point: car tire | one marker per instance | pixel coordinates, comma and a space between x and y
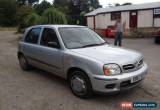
23, 63
157, 40
80, 84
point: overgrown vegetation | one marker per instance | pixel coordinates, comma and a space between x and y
53, 16
7, 12
32, 19
21, 15
24, 13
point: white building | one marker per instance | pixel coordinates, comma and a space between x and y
136, 16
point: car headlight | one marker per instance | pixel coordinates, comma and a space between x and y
111, 69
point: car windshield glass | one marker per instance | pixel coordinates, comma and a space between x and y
80, 37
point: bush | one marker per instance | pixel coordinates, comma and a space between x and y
7, 12
53, 16
32, 19
50, 16
22, 13
40, 8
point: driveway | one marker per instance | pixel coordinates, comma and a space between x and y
39, 90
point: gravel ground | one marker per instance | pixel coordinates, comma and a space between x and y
39, 90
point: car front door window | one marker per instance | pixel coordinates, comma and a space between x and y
50, 54
49, 38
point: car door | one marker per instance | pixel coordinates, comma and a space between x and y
30, 45
50, 52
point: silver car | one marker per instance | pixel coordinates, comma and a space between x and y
82, 57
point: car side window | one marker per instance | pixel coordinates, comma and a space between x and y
49, 38
33, 35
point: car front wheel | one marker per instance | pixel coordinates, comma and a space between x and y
80, 84
23, 63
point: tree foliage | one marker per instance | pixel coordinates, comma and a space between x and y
53, 16
49, 16
7, 12
117, 4
127, 3
23, 2
77, 5
73, 8
32, 19
40, 8
22, 13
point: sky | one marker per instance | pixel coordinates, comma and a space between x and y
105, 3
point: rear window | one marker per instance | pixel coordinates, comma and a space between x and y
33, 35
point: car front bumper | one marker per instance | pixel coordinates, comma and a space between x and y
109, 84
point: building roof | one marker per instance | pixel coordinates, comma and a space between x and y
125, 8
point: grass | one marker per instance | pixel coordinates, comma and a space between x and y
8, 28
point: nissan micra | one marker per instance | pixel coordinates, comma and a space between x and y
82, 57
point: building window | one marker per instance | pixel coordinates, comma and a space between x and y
157, 13
115, 15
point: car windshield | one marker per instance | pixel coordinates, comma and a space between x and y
79, 37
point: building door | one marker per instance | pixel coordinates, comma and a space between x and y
133, 19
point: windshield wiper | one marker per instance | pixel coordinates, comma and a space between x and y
104, 43
90, 45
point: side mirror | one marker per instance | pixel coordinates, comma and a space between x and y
53, 44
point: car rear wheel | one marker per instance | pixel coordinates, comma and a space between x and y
23, 63
80, 84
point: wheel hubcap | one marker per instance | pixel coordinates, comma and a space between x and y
22, 61
78, 85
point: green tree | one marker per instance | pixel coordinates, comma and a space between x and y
53, 16
62, 5
23, 2
7, 12
40, 8
32, 19
78, 6
95, 4
82, 19
117, 4
22, 13
127, 3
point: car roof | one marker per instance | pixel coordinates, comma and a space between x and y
56, 26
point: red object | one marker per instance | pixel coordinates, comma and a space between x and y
94, 22
101, 32
110, 31
126, 105
156, 33
133, 19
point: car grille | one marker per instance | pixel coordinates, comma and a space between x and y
133, 67
128, 67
